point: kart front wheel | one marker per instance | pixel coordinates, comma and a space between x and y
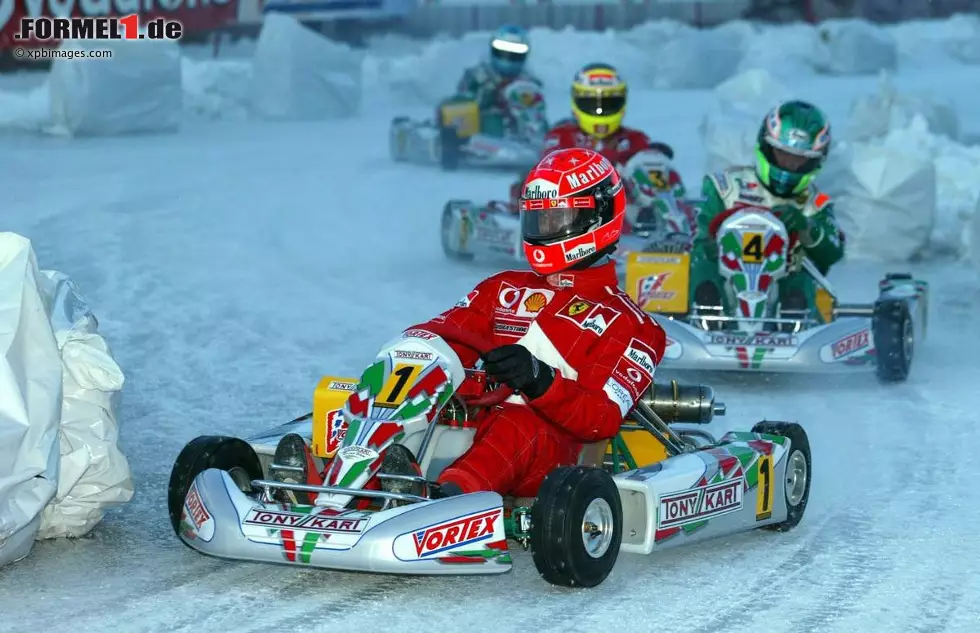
230, 454
798, 473
576, 526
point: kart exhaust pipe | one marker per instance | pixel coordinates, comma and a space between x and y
693, 404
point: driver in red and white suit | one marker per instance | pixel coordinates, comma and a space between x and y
598, 108
576, 348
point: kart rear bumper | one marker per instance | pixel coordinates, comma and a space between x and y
844, 345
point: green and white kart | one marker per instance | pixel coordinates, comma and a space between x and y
462, 136
651, 487
758, 334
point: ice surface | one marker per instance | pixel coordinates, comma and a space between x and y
232, 265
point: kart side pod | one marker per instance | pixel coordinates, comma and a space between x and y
692, 404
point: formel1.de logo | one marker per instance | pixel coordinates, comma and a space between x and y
126, 27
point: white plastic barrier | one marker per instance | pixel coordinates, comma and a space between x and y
300, 75
216, 88
856, 47
885, 200
94, 473
731, 125
697, 60
137, 90
30, 395
59, 385
874, 115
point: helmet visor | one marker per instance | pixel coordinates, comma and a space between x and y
513, 52
598, 104
792, 160
554, 219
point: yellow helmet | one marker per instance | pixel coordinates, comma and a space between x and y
598, 100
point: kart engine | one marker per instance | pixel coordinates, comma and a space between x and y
674, 402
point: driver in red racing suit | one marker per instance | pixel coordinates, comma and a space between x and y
576, 349
598, 108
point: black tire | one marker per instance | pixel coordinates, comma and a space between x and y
799, 443
557, 523
894, 338
450, 147
447, 216
209, 451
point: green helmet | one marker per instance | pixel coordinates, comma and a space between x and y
793, 144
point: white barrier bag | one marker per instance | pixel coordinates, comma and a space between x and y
886, 202
731, 126
93, 472
299, 75
59, 390
30, 400
874, 115
137, 91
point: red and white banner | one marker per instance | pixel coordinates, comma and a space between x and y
195, 15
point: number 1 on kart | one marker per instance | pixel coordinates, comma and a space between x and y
394, 391
765, 489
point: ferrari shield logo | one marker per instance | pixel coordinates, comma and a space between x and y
578, 308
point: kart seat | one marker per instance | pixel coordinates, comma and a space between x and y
593, 454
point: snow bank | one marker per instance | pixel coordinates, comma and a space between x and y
138, 90
730, 126
59, 464
856, 47
931, 41
300, 75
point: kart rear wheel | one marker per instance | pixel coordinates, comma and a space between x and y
576, 526
397, 138
230, 454
450, 148
894, 338
796, 484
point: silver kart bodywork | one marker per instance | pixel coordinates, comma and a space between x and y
421, 143
703, 489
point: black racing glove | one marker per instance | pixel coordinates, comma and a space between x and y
516, 367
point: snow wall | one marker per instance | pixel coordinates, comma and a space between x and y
60, 466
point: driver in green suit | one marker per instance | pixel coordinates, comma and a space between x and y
793, 143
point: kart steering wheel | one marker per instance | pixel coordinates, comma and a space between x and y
456, 334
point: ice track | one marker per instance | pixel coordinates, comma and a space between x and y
231, 266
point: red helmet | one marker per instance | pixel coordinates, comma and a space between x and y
572, 207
